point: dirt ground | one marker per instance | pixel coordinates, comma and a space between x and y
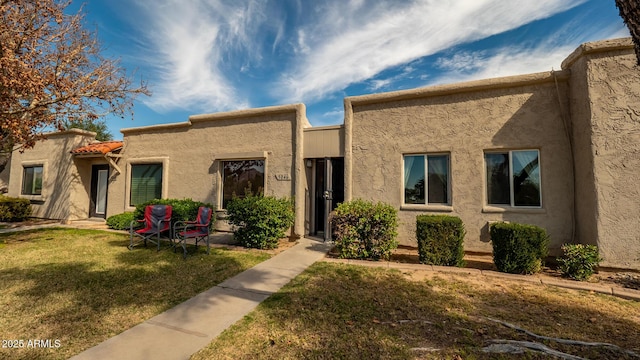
614, 278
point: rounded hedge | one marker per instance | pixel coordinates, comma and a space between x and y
261, 221
518, 248
365, 230
120, 221
440, 240
14, 209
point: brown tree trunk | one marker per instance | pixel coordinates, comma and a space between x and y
630, 13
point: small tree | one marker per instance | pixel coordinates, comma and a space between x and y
97, 126
52, 72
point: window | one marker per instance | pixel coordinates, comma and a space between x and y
434, 168
146, 183
32, 180
513, 178
240, 175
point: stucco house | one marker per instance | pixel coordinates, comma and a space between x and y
559, 149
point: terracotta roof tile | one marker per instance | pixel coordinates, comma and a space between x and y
98, 148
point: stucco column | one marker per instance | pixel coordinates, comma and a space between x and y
348, 150
298, 178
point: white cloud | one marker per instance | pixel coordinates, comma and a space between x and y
353, 41
505, 62
192, 44
201, 49
378, 84
463, 61
332, 117
302, 47
546, 55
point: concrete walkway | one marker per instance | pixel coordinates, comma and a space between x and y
183, 330
28, 227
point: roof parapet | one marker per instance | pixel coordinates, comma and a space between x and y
469, 86
597, 47
300, 108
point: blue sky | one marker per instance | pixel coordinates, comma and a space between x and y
206, 56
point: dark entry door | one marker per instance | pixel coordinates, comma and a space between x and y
329, 192
99, 185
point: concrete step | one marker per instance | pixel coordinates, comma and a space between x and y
95, 224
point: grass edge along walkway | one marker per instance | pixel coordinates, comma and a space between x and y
181, 331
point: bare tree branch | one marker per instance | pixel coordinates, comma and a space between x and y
565, 341
52, 73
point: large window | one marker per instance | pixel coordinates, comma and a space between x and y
513, 178
433, 168
32, 180
239, 176
146, 183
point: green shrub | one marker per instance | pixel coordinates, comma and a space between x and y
182, 209
440, 240
364, 230
578, 261
120, 221
261, 221
518, 248
14, 209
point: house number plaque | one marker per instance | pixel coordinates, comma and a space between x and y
283, 177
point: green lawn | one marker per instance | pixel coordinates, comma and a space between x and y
337, 311
83, 286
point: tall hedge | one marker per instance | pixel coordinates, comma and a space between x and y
518, 248
440, 240
365, 230
261, 221
14, 209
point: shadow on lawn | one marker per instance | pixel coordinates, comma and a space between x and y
87, 301
341, 311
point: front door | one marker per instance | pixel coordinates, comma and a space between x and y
328, 192
99, 185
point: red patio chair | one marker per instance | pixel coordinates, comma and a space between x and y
157, 220
197, 230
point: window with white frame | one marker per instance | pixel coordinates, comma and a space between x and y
146, 183
427, 179
32, 180
513, 178
241, 176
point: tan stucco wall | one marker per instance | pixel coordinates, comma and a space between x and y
192, 153
586, 199
464, 120
63, 184
605, 98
